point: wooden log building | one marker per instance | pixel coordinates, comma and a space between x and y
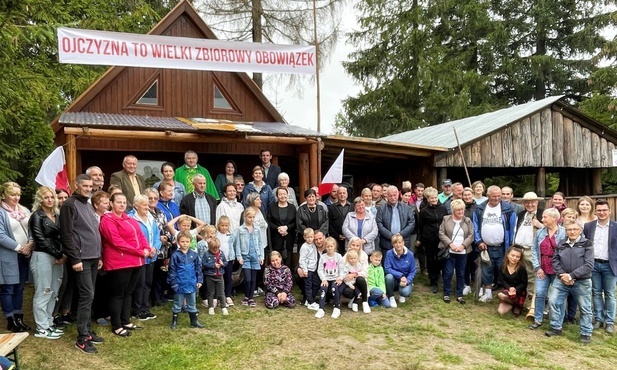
545, 136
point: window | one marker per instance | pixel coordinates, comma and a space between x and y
150, 97
219, 100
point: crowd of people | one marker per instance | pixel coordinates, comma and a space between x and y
112, 255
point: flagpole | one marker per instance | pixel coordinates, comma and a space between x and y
317, 65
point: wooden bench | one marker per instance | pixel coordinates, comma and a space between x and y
9, 344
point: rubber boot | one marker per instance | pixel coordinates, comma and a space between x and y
194, 322
12, 326
174, 320
19, 320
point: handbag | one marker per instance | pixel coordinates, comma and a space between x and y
444, 253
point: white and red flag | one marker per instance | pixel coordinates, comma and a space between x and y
333, 176
53, 171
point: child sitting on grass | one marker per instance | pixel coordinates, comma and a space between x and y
278, 283
329, 270
248, 249
377, 282
513, 282
185, 278
214, 263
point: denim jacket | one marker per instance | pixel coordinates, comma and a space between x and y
560, 237
239, 243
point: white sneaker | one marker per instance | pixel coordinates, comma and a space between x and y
466, 290
336, 313
47, 334
215, 302
401, 299
366, 308
306, 303
350, 303
313, 306
320, 313
204, 303
354, 307
481, 292
225, 312
229, 302
393, 302
485, 298
211, 311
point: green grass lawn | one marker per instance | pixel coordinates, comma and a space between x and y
423, 333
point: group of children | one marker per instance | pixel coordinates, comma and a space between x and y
325, 274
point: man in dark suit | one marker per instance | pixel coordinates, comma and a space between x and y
394, 217
199, 204
271, 172
337, 212
129, 180
603, 233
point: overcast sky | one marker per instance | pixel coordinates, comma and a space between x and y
336, 85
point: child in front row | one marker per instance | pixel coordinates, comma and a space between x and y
223, 235
330, 272
248, 249
308, 261
208, 232
185, 278
352, 266
214, 263
376, 281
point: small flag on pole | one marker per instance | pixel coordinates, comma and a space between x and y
53, 171
333, 176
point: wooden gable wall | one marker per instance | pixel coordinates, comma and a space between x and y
182, 93
546, 139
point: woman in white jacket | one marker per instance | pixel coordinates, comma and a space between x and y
361, 224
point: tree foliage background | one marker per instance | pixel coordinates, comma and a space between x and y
34, 87
424, 62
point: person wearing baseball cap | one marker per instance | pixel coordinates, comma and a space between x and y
446, 186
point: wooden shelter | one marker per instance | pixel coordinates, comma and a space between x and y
159, 114
535, 138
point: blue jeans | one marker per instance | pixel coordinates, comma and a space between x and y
603, 281
179, 301
458, 262
375, 298
542, 286
393, 284
12, 295
490, 274
582, 293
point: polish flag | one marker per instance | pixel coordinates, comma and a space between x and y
53, 171
333, 176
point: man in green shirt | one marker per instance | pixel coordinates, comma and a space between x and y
187, 172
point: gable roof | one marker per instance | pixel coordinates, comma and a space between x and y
471, 128
184, 8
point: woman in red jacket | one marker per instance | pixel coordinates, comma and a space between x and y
124, 250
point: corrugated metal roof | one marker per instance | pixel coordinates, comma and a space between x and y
471, 128
180, 124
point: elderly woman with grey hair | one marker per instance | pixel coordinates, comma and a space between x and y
362, 224
455, 236
545, 244
283, 181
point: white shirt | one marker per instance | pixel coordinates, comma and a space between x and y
524, 234
492, 227
458, 236
600, 241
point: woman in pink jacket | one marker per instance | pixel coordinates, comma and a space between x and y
124, 249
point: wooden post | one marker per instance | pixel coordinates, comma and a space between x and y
541, 181
71, 158
303, 173
313, 166
443, 174
596, 181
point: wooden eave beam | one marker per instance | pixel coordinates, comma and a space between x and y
86, 132
381, 149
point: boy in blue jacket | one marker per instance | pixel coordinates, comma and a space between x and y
400, 270
185, 277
